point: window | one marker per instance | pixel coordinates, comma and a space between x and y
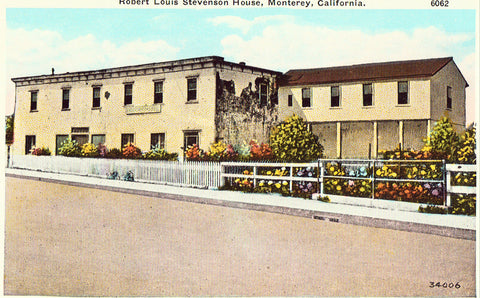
157, 140
128, 94
127, 138
290, 100
33, 100
58, 143
80, 139
262, 96
335, 96
306, 103
192, 89
367, 95
402, 93
29, 144
449, 97
158, 96
96, 97
191, 138
65, 99
98, 139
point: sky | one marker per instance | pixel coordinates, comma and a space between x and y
38, 39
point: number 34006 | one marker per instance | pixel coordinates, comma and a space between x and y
445, 285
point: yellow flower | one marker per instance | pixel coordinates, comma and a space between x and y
362, 189
339, 187
269, 173
285, 183
278, 185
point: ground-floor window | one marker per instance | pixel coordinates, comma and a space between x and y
80, 139
30, 142
157, 140
98, 139
127, 138
59, 141
191, 138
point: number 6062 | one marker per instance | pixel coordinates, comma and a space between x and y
441, 3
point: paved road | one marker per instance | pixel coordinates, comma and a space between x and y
64, 240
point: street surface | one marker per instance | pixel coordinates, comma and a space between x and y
75, 241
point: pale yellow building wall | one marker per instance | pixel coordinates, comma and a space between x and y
385, 102
449, 76
111, 119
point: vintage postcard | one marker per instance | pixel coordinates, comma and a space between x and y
240, 148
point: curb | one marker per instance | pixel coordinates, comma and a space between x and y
206, 197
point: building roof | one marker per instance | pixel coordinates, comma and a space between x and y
365, 72
143, 69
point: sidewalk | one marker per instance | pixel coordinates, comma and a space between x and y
456, 226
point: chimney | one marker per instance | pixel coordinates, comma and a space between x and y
53, 71
242, 63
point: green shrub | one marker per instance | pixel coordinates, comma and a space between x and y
90, 150
114, 153
432, 209
158, 153
464, 204
465, 150
70, 148
41, 151
442, 138
292, 141
131, 151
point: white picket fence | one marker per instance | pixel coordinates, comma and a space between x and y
193, 174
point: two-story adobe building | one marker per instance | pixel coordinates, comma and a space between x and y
355, 110
169, 104
359, 110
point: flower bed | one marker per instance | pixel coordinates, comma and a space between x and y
273, 179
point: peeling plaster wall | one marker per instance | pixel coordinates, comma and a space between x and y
356, 137
413, 134
327, 136
240, 116
388, 135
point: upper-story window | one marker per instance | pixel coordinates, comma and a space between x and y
96, 97
158, 96
335, 96
191, 89
367, 95
449, 97
402, 93
262, 96
306, 102
33, 100
65, 99
128, 94
290, 100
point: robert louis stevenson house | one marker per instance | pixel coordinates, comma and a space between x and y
353, 109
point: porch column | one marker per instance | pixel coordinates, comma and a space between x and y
400, 133
375, 140
339, 139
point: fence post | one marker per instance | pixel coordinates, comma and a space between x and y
291, 178
254, 176
373, 179
447, 175
320, 176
